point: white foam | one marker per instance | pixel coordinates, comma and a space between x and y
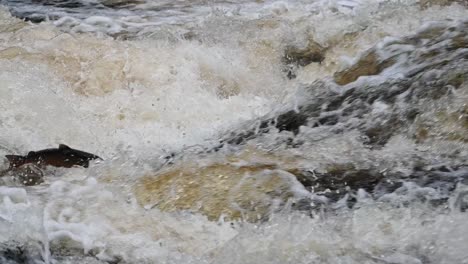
12, 199
133, 101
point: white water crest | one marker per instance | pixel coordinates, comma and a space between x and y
137, 81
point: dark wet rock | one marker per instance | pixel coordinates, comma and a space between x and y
440, 177
313, 52
48, 9
67, 251
13, 255
302, 56
429, 3
457, 79
61, 3
448, 124
31, 17
461, 202
121, 3
13, 252
288, 121
387, 185
369, 64
344, 180
381, 132
339, 180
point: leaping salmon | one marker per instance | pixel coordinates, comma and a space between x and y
63, 156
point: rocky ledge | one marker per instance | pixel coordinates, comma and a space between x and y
411, 90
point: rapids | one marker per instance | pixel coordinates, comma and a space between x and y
326, 131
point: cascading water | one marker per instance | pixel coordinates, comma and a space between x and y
236, 132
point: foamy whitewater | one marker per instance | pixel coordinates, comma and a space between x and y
153, 86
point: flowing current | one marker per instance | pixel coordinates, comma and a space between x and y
320, 131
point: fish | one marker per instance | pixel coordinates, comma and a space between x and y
63, 156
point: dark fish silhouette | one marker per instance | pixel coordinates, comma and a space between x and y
63, 156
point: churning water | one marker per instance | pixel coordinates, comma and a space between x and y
326, 131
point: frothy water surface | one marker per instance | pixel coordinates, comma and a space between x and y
369, 166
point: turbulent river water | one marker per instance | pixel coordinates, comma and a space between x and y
319, 131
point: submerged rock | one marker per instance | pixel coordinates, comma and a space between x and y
289, 121
229, 190
13, 252
302, 56
314, 52
429, 3
369, 64
121, 3
253, 184
338, 180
